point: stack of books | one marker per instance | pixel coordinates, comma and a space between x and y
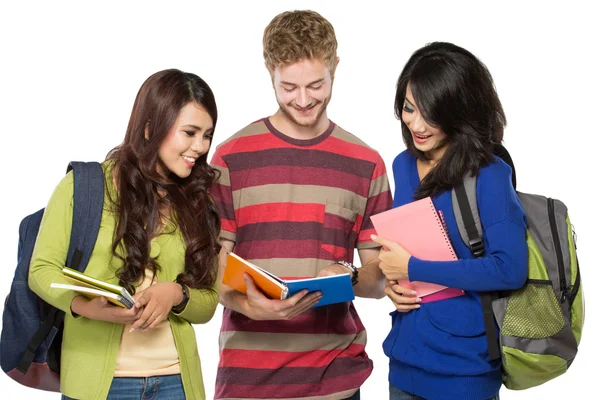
92, 287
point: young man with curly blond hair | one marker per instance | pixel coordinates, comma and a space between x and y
295, 195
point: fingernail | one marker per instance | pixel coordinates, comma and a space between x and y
414, 293
132, 330
419, 300
373, 237
418, 306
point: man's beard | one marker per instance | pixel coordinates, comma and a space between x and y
306, 123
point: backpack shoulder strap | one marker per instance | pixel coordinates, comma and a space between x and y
88, 201
464, 205
504, 155
28, 230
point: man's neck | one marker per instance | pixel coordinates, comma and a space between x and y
284, 125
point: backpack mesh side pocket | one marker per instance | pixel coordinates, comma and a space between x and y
533, 312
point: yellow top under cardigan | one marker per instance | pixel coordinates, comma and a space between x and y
150, 353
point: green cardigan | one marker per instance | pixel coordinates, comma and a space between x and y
89, 347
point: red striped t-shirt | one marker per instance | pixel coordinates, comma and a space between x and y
293, 207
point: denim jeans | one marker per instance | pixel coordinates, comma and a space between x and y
355, 396
398, 394
167, 387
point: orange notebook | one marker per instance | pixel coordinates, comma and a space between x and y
233, 276
418, 228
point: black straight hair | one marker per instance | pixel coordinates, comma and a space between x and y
454, 92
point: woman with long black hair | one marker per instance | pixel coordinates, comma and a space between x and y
452, 122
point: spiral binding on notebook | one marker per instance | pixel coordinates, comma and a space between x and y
444, 228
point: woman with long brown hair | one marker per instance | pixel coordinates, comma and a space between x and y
158, 238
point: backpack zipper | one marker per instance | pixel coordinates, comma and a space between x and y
575, 288
559, 256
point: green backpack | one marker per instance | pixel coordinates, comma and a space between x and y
541, 323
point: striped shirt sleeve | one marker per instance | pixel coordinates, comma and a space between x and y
380, 200
222, 194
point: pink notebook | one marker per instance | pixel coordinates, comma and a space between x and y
418, 228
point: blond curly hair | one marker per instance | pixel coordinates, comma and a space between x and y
295, 35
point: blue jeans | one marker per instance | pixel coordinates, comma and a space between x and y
399, 394
355, 396
167, 387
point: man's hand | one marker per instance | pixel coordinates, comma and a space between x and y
157, 302
260, 307
404, 299
101, 309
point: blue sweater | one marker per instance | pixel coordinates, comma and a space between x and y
440, 351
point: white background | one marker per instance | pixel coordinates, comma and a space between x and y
69, 73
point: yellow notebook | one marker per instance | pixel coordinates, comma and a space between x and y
92, 287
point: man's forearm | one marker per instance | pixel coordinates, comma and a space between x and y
371, 281
233, 300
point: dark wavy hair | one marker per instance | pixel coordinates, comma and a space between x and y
145, 198
454, 92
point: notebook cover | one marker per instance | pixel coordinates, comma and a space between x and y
335, 288
233, 276
80, 279
97, 283
417, 227
443, 294
91, 292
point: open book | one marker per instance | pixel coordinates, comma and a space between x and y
335, 288
92, 287
420, 229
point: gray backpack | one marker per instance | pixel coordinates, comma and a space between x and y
541, 323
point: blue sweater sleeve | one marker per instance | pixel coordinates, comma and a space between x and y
504, 265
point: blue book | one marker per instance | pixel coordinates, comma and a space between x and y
335, 288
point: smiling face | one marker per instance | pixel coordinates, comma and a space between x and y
187, 140
426, 138
303, 90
